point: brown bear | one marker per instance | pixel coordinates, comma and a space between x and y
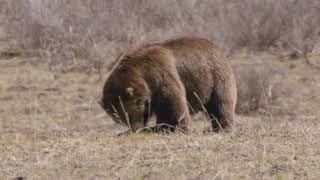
171, 80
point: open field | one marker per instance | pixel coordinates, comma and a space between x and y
51, 126
53, 54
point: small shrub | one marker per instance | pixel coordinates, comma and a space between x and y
255, 87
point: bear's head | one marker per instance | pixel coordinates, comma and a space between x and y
126, 98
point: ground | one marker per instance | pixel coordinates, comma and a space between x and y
52, 127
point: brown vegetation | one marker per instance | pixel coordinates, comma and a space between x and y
83, 32
52, 127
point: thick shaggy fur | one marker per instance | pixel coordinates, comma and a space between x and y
172, 80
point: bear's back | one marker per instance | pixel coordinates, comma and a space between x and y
199, 64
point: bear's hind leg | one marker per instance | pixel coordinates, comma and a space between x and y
226, 114
221, 114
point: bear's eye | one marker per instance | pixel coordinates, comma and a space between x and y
138, 101
139, 104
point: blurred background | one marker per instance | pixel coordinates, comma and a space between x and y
92, 31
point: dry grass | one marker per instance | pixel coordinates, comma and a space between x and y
51, 126
83, 33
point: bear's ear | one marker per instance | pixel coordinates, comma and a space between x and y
130, 91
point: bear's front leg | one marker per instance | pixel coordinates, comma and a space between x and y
172, 112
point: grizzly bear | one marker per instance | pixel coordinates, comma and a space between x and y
172, 80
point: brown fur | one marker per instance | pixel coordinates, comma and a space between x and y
171, 79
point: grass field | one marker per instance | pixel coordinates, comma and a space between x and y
52, 128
